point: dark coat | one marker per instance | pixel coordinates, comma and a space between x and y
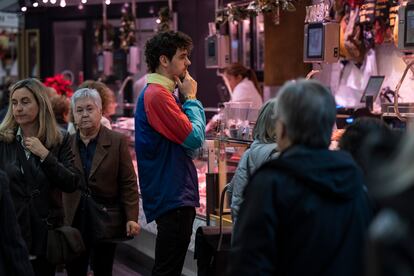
52, 176
14, 257
112, 175
305, 213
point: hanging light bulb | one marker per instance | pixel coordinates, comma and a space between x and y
108, 2
23, 9
80, 6
53, 2
35, 4
45, 1
62, 3
84, 1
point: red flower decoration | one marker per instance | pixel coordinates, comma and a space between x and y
60, 84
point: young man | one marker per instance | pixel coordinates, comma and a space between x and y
306, 212
166, 134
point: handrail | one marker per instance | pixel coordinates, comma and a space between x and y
312, 73
397, 89
124, 83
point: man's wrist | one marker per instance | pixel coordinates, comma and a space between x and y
190, 97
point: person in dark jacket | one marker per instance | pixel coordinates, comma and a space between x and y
390, 246
14, 257
305, 213
106, 167
38, 160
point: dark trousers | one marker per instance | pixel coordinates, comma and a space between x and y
101, 256
43, 267
174, 233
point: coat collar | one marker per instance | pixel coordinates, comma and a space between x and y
104, 141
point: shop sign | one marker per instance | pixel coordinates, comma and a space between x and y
9, 20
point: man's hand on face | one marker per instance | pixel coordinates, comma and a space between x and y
188, 87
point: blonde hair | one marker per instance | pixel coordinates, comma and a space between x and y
48, 131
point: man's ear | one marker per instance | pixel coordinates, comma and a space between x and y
164, 61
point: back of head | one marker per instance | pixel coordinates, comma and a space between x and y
361, 137
165, 43
238, 69
308, 111
264, 130
396, 174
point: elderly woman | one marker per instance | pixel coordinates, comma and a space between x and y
262, 149
103, 158
38, 160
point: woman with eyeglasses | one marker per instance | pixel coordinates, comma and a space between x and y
37, 157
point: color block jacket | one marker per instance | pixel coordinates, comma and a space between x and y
165, 133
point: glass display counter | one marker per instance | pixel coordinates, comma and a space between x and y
215, 162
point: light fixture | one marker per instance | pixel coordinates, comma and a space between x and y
84, 1
80, 6
53, 2
108, 2
158, 21
62, 3
45, 1
23, 9
35, 4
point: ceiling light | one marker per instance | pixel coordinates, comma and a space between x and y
108, 2
53, 1
35, 4
45, 1
23, 9
84, 1
62, 3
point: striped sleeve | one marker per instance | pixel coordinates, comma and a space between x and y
166, 117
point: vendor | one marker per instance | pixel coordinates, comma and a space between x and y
243, 85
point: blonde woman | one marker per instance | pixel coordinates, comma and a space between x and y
38, 160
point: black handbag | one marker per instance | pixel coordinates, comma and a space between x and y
64, 244
212, 246
102, 222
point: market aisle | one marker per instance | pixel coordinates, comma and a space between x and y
124, 264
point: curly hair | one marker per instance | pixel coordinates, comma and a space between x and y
165, 43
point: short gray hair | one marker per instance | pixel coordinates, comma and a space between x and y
265, 127
308, 110
86, 93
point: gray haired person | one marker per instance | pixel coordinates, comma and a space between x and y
261, 150
305, 212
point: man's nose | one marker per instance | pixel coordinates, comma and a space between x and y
188, 62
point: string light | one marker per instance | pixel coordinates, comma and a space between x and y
45, 1
108, 2
53, 1
62, 3
84, 1
23, 9
35, 4
80, 6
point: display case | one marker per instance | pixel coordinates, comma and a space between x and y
215, 163
223, 156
